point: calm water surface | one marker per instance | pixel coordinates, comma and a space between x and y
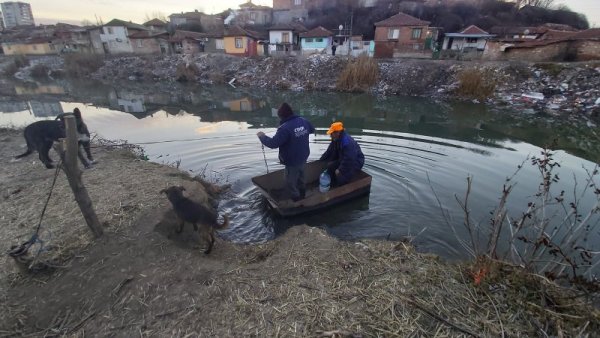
418, 151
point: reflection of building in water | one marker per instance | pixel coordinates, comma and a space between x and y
43, 89
245, 104
13, 106
45, 109
127, 102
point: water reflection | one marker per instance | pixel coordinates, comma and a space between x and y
412, 145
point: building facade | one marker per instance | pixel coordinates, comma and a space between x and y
16, 14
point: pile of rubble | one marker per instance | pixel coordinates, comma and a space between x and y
556, 89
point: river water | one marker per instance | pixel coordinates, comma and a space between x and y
418, 151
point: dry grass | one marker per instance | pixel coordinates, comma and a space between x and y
82, 64
305, 283
359, 75
187, 73
476, 84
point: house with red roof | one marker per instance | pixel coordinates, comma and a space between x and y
403, 35
243, 42
192, 43
316, 40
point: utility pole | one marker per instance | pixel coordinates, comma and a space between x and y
351, 23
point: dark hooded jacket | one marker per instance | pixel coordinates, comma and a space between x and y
347, 151
292, 140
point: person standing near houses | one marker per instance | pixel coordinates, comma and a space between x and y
292, 140
344, 156
333, 48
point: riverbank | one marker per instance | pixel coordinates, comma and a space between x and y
555, 89
142, 278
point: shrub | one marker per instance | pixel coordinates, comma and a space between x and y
185, 73
551, 68
82, 64
18, 62
40, 71
217, 78
476, 84
359, 75
550, 235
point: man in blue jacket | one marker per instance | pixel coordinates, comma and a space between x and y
292, 140
344, 157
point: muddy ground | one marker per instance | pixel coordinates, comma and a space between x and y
143, 279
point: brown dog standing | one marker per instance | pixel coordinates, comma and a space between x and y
193, 212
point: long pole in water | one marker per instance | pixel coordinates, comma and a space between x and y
265, 157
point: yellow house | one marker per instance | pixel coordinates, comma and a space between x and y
30, 47
241, 42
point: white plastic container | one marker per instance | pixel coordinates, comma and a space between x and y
324, 182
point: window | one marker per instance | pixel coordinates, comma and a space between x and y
285, 37
416, 33
238, 43
393, 33
252, 16
139, 43
319, 39
220, 44
297, 2
308, 40
471, 40
109, 30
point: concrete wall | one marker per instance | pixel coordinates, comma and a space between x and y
587, 50
28, 48
552, 52
115, 37
287, 16
96, 41
145, 46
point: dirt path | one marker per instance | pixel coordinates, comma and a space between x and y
143, 279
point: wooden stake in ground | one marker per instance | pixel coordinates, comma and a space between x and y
71, 169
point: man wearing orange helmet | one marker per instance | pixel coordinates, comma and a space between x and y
344, 156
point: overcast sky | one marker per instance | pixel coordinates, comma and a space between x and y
75, 11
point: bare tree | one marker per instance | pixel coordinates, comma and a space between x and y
155, 15
535, 3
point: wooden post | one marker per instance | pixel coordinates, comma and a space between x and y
71, 169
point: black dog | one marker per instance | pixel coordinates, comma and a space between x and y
41, 135
193, 212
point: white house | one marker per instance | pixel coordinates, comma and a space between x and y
285, 38
113, 37
472, 38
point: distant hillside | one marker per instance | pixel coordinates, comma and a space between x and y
452, 16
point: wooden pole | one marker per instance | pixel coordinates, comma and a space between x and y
71, 169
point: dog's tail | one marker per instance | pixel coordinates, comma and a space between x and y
224, 225
29, 151
29, 147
